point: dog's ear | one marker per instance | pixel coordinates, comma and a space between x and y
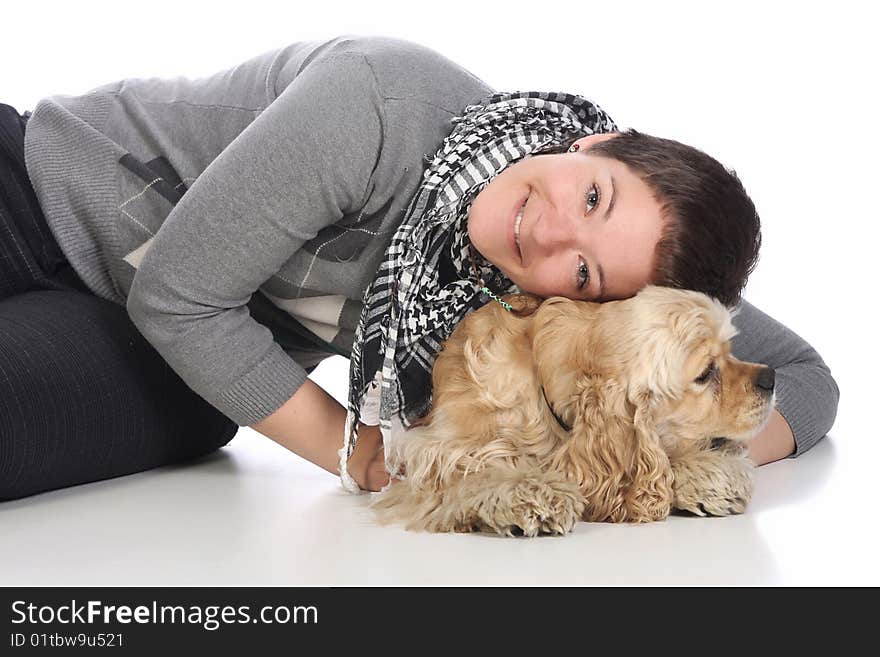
559, 336
651, 492
615, 456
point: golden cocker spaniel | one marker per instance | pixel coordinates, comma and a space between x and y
562, 409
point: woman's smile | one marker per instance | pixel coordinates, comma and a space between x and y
518, 212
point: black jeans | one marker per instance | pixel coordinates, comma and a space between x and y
83, 395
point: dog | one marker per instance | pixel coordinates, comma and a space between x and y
560, 410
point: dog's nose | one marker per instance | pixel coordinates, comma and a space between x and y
765, 379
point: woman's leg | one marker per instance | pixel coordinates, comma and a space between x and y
84, 397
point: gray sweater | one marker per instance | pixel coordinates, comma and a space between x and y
240, 217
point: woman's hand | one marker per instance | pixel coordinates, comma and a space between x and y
367, 462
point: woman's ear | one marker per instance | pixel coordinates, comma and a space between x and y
586, 142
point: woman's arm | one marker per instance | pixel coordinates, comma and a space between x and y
775, 441
806, 393
311, 424
300, 166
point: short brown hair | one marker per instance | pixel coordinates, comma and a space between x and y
712, 233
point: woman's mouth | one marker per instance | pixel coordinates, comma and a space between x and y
515, 224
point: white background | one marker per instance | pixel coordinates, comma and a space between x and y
784, 93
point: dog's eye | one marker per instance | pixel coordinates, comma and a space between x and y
706, 375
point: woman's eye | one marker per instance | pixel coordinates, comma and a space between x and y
583, 274
704, 377
593, 197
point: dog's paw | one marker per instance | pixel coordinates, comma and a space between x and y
536, 505
713, 506
713, 484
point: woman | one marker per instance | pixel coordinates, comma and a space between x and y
248, 224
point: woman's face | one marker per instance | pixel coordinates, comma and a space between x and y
571, 239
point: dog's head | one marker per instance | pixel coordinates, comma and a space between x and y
638, 379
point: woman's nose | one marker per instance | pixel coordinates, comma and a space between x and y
554, 229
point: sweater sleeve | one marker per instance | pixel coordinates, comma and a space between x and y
304, 162
806, 393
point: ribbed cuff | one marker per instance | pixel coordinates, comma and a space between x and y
263, 390
808, 409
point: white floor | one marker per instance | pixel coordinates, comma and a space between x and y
255, 514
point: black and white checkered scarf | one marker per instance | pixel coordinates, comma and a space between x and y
426, 285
